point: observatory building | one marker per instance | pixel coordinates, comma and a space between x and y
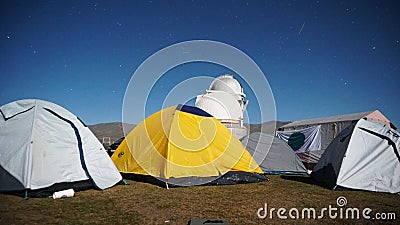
225, 101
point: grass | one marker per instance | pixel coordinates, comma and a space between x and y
141, 203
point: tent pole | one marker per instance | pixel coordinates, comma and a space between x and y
125, 182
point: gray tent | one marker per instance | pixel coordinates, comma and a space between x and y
272, 154
330, 128
363, 156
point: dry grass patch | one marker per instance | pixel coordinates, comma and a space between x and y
141, 203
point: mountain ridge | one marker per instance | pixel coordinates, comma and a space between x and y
114, 130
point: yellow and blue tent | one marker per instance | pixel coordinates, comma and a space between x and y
184, 145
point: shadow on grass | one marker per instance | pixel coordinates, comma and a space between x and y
309, 180
305, 179
48, 191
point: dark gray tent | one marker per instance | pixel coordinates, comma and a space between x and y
330, 128
272, 154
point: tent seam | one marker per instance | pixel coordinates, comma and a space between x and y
80, 146
30, 164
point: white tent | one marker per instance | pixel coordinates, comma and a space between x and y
273, 154
43, 144
363, 156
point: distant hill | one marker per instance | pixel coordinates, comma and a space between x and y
268, 127
113, 130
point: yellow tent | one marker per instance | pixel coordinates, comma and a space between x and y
182, 142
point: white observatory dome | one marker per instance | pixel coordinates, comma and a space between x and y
225, 101
228, 84
221, 105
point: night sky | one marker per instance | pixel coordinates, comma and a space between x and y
321, 58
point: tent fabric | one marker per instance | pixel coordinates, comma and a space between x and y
375, 115
182, 142
304, 140
327, 120
273, 154
365, 156
42, 144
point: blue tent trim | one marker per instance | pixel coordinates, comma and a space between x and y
192, 110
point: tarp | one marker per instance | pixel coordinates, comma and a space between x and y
42, 144
304, 140
182, 142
